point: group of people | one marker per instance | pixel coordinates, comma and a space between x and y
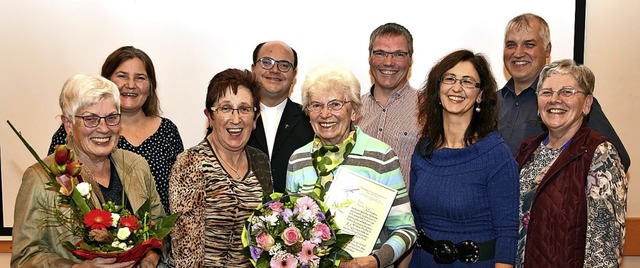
532, 174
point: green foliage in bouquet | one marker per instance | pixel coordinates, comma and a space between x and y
103, 228
294, 230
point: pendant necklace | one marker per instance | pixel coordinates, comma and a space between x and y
235, 170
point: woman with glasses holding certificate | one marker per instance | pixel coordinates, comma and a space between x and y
573, 185
331, 97
464, 179
218, 183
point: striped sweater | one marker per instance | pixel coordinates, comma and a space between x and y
377, 161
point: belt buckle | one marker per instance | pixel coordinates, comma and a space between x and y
444, 252
468, 251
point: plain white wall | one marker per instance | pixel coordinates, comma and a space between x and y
44, 42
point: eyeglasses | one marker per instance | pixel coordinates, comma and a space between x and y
397, 55
92, 121
565, 93
267, 63
465, 81
227, 110
333, 105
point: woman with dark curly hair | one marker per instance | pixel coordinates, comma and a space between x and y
464, 179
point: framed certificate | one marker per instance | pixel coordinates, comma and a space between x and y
360, 207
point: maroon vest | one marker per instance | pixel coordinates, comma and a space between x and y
558, 217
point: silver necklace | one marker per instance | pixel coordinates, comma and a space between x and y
235, 170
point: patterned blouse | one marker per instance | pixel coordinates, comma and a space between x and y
214, 207
160, 150
606, 203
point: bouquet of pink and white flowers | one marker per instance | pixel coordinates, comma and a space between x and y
294, 231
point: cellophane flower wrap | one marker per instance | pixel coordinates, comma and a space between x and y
104, 230
293, 230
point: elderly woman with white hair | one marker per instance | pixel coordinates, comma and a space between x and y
331, 98
91, 118
572, 182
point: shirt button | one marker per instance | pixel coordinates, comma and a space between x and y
380, 129
517, 104
384, 110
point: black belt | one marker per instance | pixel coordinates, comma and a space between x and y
445, 251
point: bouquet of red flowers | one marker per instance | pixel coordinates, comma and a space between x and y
106, 230
294, 231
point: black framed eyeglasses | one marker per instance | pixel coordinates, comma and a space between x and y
92, 121
465, 81
227, 110
333, 105
396, 55
268, 63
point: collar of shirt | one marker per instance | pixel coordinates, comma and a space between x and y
510, 87
271, 120
396, 95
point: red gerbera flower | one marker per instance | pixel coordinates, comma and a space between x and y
130, 221
98, 219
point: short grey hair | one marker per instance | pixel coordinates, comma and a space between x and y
332, 78
583, 75
525, 21
81, 91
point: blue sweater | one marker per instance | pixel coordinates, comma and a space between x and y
467, 194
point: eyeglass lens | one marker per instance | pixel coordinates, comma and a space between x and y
267, 63
334, 105
94, 120
466, 82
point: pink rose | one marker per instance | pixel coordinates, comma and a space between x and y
322, 230
265, 241
276, 207
291, 236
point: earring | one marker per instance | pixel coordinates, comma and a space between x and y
477, 107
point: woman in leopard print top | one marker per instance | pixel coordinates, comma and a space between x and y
218, 183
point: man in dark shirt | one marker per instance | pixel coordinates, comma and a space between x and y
282, 126
527, 46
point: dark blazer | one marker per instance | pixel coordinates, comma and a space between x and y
294, 131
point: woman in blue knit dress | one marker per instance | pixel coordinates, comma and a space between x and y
464, 179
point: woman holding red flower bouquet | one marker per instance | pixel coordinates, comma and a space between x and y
91, 117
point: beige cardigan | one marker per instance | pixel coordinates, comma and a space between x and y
36, 246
